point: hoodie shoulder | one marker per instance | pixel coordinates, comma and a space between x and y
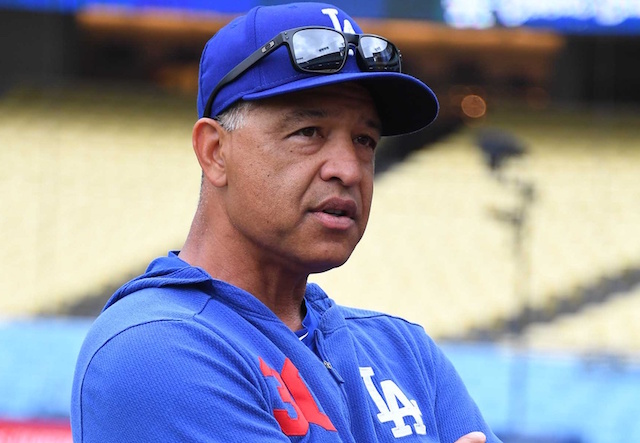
144, 306
168, 271
356, 314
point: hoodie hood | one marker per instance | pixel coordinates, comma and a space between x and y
163, 271
172, 271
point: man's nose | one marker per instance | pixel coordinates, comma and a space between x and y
342, 162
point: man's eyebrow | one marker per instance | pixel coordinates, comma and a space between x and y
374, 124
300, 114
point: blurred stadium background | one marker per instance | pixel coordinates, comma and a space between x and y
510, 228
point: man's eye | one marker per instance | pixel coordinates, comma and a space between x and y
308, 132
367, 141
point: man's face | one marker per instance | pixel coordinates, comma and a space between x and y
300, 177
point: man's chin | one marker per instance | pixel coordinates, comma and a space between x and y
324, 266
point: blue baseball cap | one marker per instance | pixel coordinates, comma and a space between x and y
404, 103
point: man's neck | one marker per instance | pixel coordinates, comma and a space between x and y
279, 289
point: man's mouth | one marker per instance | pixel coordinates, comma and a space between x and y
337, 213
338, 207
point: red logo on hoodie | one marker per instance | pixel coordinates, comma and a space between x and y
294, 391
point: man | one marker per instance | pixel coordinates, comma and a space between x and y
225, 340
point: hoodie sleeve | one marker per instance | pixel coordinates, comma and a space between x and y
456, 412
170, 381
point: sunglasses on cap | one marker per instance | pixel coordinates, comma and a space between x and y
320, 50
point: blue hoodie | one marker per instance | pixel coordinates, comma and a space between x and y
177, 356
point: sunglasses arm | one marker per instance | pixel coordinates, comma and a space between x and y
243, 66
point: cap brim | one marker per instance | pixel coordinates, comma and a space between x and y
404, 103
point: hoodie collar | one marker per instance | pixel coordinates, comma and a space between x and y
171, 270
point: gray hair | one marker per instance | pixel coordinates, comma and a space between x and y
234, 117
231, 119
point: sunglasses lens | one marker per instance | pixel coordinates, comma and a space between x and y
379, 54
319, 50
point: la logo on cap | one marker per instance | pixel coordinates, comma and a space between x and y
333, 14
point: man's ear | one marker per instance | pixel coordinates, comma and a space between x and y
207, 139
